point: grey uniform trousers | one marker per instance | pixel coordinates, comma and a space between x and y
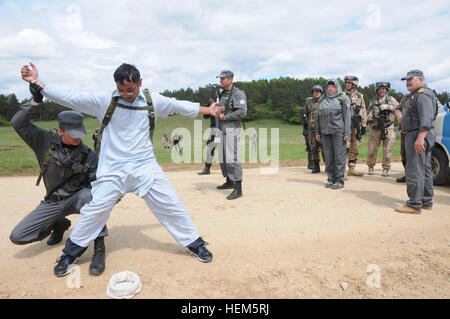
229, 156
419, 176
39, 223
335, 152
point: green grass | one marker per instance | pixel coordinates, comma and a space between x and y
17, 158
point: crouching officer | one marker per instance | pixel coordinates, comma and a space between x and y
67, 168
418, 125
234, 102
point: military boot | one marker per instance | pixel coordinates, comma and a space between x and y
353, 172
371, 171
58, 231
206, 170
310, 164
97, 265
237, 192
401, 179
227, 185
316, 167
385, 173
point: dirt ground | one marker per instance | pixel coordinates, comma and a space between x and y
288, 237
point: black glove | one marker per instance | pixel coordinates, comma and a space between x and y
363, 130
36, 92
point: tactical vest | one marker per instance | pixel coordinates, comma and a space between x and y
77, 164
353, 107
109, 113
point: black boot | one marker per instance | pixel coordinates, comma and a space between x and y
98, 259
316, 167
237, 192
227, 185
206, 170
310, 161
58, 231
401, 179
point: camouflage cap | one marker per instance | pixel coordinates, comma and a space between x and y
225, 74
386, 85
412, 74
72, 122
352, 79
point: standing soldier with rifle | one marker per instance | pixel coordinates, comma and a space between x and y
381, 116
234, 103
305, 133
358, 122
311, 110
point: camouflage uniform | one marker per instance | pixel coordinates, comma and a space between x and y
377, 105
311, 110
358, 107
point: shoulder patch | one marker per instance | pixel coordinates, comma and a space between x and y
242, 101
421, 90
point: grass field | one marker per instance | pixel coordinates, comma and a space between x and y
17, 158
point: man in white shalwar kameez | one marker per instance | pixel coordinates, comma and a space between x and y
127, 161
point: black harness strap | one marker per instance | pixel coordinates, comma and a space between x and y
68, 179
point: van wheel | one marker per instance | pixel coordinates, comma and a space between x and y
439, 166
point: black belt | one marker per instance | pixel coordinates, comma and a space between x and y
56, 198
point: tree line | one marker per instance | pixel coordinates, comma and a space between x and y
9, 104
280, 98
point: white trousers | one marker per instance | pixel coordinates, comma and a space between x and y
160, 198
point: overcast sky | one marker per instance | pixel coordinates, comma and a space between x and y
180, 44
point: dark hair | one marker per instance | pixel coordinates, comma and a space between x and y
127, 72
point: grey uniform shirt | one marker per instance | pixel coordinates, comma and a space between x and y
235, 108
419, 114
60, 165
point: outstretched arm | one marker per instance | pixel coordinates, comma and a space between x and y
88, 103
165, 106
